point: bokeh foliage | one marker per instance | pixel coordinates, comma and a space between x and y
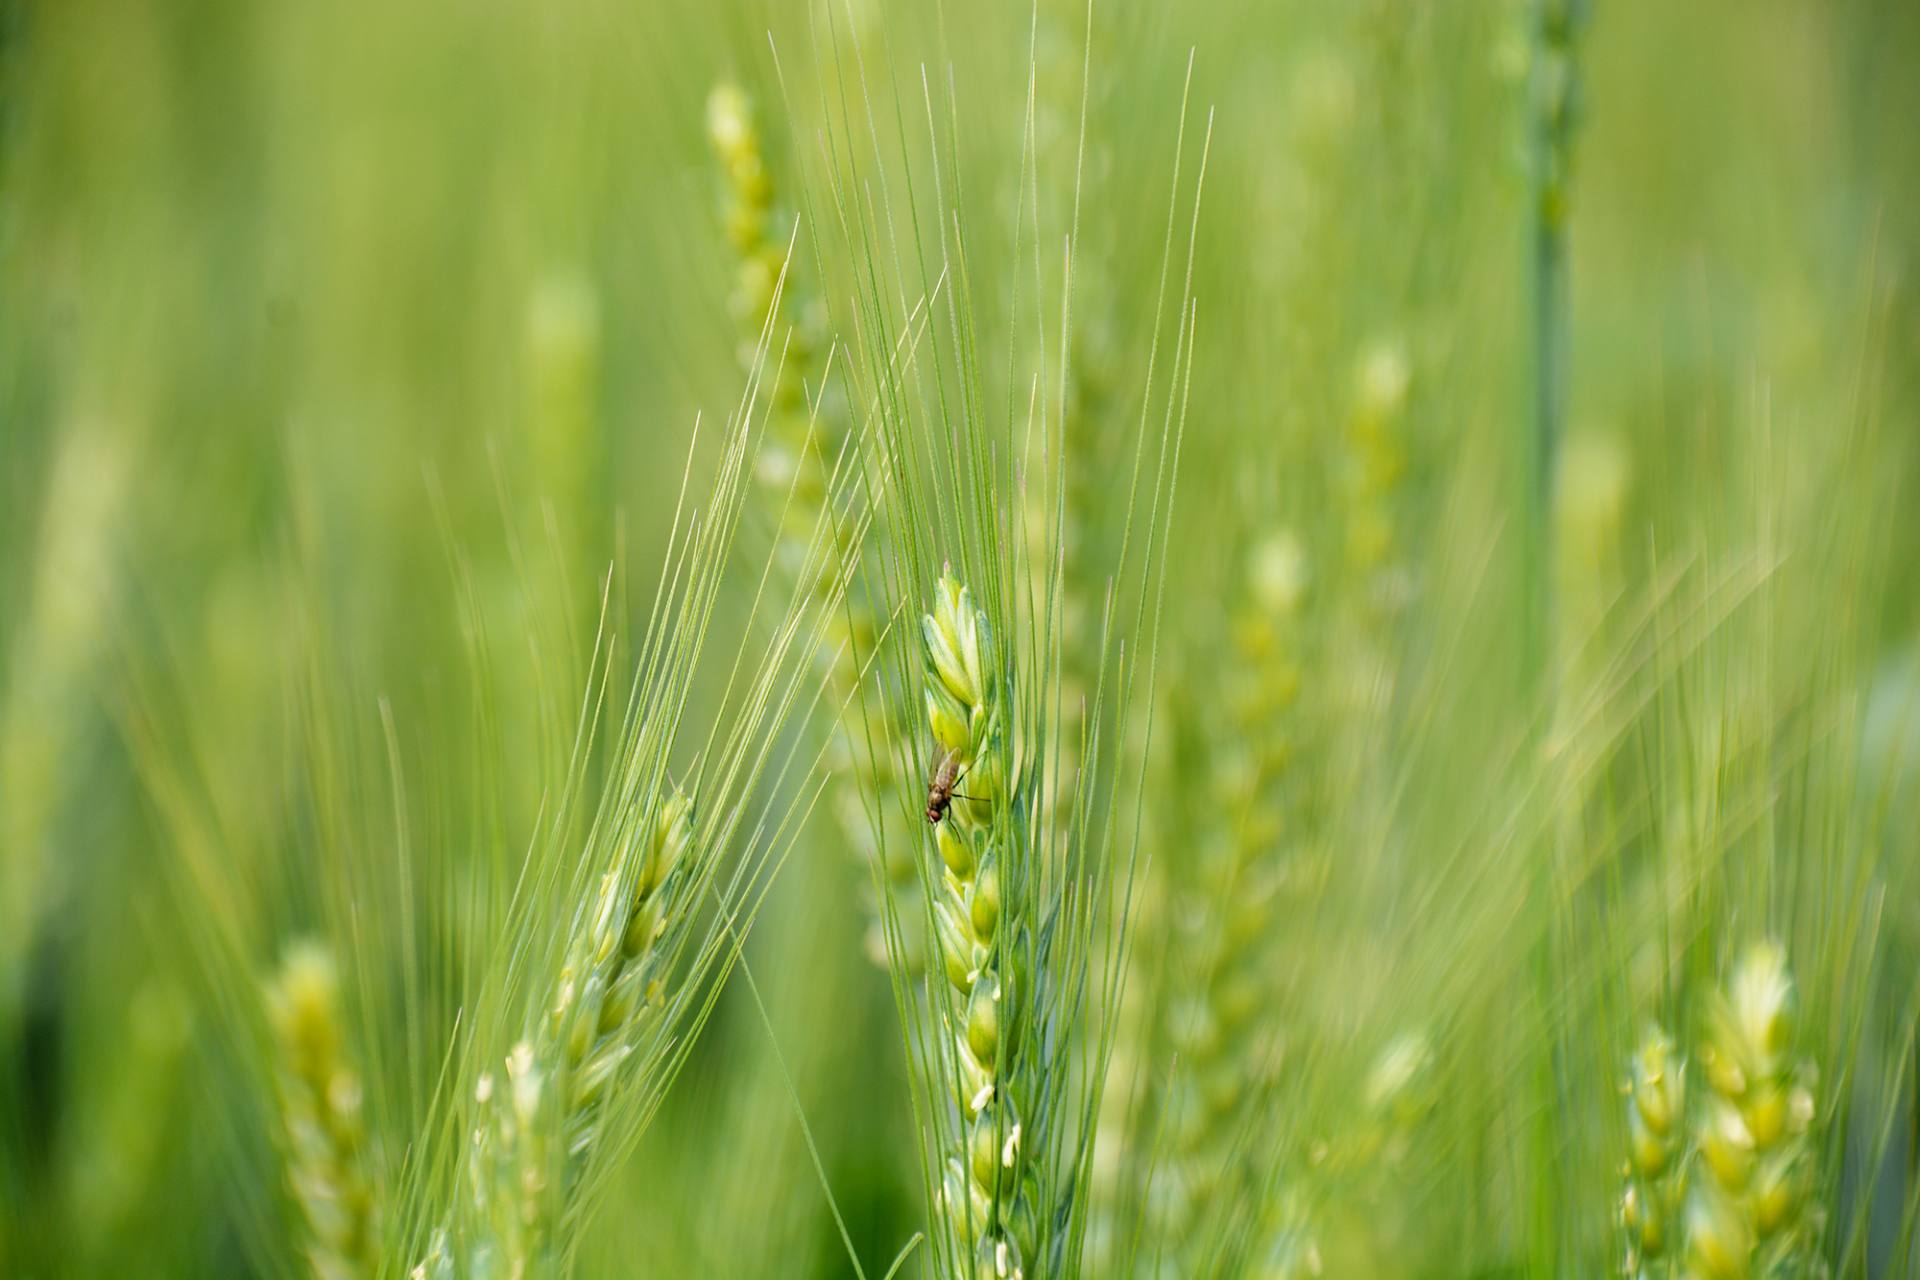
351, 359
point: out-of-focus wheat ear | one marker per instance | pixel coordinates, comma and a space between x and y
762, 295
1751, 1212
1650, 1203
1375, 573
1248, 859
323, 1128
800, 470
1376, 463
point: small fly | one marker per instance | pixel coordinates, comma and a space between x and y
940, 791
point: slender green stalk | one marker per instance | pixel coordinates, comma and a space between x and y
1554, 95
1555, 110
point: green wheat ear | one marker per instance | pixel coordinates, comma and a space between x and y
990, 1198
611, 979
557, 1081
320, 1097
1028, 887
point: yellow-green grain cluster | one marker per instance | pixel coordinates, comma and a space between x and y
1749, 1212
321, 1106
1655, 1187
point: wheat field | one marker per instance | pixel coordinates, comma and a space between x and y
801, 638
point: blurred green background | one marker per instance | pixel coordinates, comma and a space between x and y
347, 346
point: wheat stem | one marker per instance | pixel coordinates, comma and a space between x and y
1555, 91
